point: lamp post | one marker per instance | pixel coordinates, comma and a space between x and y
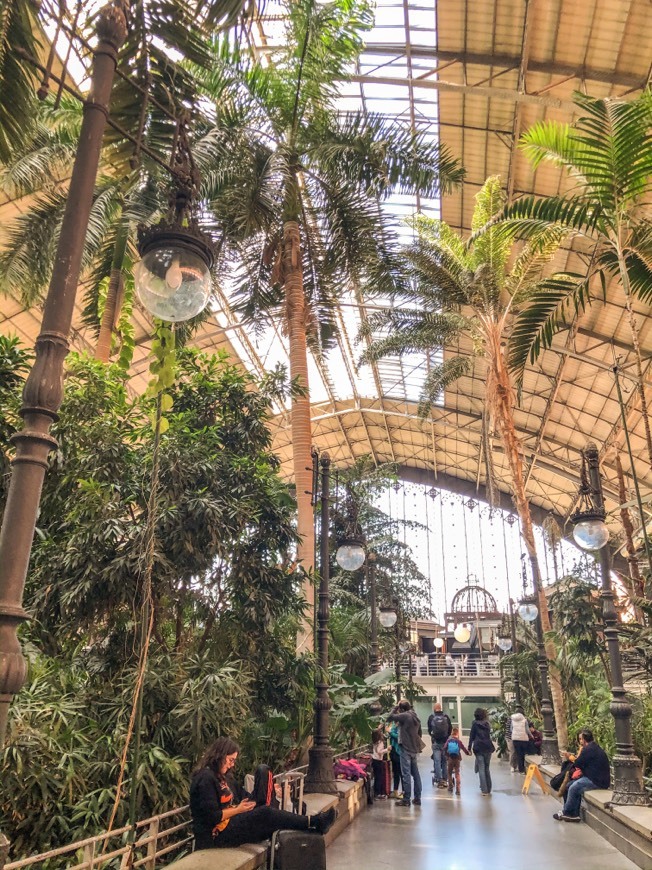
529, 612
320, 777
43, 390
389, 619
373, 658
591, 533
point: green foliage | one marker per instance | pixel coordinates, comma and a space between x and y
224, 595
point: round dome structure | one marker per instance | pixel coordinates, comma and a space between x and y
473, 599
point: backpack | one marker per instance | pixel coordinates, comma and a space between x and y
263, 792
453, 747
439, 730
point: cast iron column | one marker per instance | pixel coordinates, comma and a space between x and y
628, 770
373, 658
43, 390
320, 777
549, 745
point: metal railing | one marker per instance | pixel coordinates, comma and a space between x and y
437, 666
151, 836
111, 848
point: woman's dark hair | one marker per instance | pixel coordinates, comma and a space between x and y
216, 753
480, 714
376, 736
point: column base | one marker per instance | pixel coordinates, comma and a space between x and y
550, 751
628, 790
320, 779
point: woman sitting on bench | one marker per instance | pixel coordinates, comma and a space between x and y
222, 818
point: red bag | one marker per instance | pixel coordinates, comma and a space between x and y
576, 773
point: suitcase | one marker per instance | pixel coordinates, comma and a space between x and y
297, 850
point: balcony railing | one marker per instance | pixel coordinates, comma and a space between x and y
455, 666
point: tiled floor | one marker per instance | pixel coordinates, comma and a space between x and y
507, 831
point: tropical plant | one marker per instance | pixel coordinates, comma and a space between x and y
458, 290
294, 186
607, 154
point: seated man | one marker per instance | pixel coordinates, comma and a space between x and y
593, 762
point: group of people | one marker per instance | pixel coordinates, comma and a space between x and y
224, 814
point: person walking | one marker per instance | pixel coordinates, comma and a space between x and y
453, 749
521, 733
482, 747
411, 745
593, 764
439, 728
380, 765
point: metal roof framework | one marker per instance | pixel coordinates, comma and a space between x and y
473, 76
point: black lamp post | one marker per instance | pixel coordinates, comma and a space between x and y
591, 534
319, 778
371, 573
43, 390
529, 612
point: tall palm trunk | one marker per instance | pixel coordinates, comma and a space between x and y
633, 326
500, 398
114, 297
296, 315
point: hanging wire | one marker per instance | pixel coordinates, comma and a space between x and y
466, 540
443, 553
425, 497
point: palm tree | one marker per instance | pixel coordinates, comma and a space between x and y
468, 291
608, 154
294, 187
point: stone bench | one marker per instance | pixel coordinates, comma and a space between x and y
629, 829
350, 801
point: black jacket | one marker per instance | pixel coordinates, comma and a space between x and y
593, 761
480, 737
209, 796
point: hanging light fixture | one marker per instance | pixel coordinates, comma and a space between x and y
589, 528
350, 554
438, 642
527, 608
462, 633
173, 276
387, 617
504, 643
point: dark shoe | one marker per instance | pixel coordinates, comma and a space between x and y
324, 821
560, 817
417, 802
403, 803
458, 792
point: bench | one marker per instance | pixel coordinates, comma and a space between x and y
350, 801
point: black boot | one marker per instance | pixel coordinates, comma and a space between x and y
323, 822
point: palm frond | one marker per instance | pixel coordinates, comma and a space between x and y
439, 378
409, 331
542, 318
491, 249
526, 272
383, 156
18, 81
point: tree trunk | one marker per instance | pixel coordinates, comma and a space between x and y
633, 326
635, 582
500, 396
301, 425
114, 297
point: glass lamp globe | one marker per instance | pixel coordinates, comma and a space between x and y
462, 633
438, 642
528, 611
173, 282
591, 534
387, 617
350, 555
504, 643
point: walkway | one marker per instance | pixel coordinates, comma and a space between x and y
505, 832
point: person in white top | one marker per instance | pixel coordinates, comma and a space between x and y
521, 733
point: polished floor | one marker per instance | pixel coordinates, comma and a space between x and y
507, 831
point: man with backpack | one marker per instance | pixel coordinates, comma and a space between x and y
439, 728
